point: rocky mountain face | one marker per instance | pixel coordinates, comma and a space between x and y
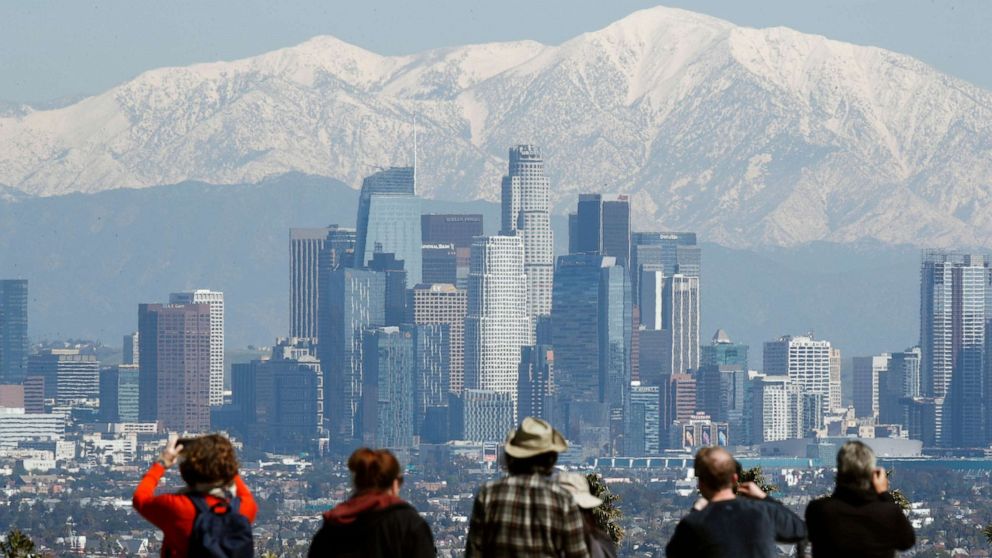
749, 136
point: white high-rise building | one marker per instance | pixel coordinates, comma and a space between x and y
215, 300
497, 324
526, 213
776, 409
807, 364
681, 321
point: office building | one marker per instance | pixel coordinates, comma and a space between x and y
643, 433
13, 330
307, 246
70, 377
34, 394
457, 231
671, 252
836, 398
526, 214
354, 301
591, 332
174, 374
901, 381
16, 427
389, 220
652, 360
679, 399
443, 304
602, 226
119, 393
215, 300
497, 324
388, 396
488, 415
806, 361
130, 354
536, 383
954, 299
395, 276
440, 264
722, 382
776, 410
866, 374
432, 372
281, 400
680, 321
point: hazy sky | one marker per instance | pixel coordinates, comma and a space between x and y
53, 49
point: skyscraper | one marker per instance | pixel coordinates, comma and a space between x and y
354, 301
680, 321
441, 264
305, 248
674, 252
456, 231
432, 372
119, 393
602, 227
396, 280
643, 432
389, 219
215, 300
130, 354
776, 409
536, 383
867, 373
388, 395
954, 298
497, 324
69, 376
901, 381
488, 415
526, 213
175, 366
443, 304
13, 330
806, 362
591, 331
284, 411
722, 383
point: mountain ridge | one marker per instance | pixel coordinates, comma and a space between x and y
749, 136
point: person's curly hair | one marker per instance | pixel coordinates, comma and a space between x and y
208, 460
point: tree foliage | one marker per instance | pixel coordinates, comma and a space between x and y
757, 476
607, 515
897, 494
17, 545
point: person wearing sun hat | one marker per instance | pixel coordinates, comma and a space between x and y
527, 513
600, 544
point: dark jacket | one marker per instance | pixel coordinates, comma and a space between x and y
853, 524
384, 528
739, 528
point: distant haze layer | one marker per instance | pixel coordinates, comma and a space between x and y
91, 259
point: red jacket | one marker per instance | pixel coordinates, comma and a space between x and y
174, 513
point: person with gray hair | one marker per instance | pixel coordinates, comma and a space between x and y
860, 519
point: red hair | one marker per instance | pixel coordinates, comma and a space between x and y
373, 470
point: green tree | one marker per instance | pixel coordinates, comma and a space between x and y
18, 545
607, 515
897, 494
757, 476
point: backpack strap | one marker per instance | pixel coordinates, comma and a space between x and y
199, 502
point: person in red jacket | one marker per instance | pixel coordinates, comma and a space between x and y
209, 466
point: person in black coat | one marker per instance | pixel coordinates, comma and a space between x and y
375, 522
860, 519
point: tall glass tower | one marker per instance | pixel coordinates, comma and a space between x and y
526, 213
954, 299
389, 220
13, 330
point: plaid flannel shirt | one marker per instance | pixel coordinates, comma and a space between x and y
525, 516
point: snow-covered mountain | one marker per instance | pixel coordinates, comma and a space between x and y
749, 136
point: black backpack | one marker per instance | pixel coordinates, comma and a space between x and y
220, 531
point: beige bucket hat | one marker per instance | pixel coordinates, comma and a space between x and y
578, 485
534, 437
